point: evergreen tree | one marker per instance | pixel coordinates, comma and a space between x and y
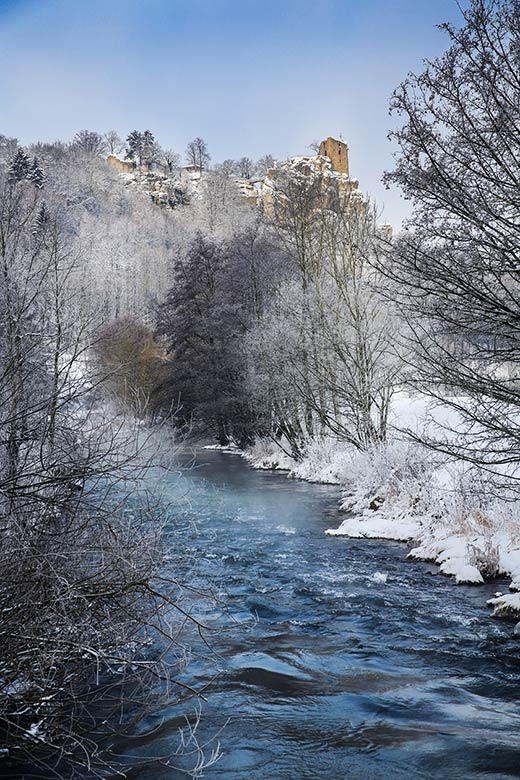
150, 148
218, 290
142, 147
20, 167
42, 220
134, 144
203, 321
36, 174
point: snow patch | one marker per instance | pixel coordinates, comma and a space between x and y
404, 492
507, 606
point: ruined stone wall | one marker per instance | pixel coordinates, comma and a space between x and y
337, 152
120, 165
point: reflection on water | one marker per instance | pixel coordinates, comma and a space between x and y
336, 673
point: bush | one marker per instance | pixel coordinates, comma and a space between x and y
133, 363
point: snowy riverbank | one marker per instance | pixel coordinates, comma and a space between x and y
443, 509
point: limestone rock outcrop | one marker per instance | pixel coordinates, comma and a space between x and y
325, 174
317, 177
121, 166
170, 189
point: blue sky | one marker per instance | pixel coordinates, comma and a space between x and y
250, 76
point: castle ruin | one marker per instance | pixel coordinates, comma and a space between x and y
337, 152
329, 169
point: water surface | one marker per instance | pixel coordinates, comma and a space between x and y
351, 662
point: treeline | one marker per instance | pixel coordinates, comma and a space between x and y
143, 149
125, 246
84, 593
339, 317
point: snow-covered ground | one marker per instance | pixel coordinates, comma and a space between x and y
403, 491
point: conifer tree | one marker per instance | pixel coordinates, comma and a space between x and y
42, 220
142, 147
20, 167
36, 174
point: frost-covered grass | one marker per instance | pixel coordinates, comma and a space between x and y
404, 491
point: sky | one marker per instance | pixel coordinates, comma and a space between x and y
250, 76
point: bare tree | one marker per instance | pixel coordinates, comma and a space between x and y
83, 589
227, 167
295, 210
197, 154
171, 159
455, 266
245, 167
131, 363
113, 142
90, 142
264, 164
324, 347
8, 146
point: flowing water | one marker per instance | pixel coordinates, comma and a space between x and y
350, 661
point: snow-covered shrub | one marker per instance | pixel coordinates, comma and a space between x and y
325, 460
396, 475
269, 454
486, 559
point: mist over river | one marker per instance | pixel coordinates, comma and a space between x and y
351, 662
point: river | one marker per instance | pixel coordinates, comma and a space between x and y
351, 663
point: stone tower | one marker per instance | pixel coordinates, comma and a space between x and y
337, 152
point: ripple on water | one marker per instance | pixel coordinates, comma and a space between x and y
350, 663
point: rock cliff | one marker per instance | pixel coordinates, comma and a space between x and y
328, 171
